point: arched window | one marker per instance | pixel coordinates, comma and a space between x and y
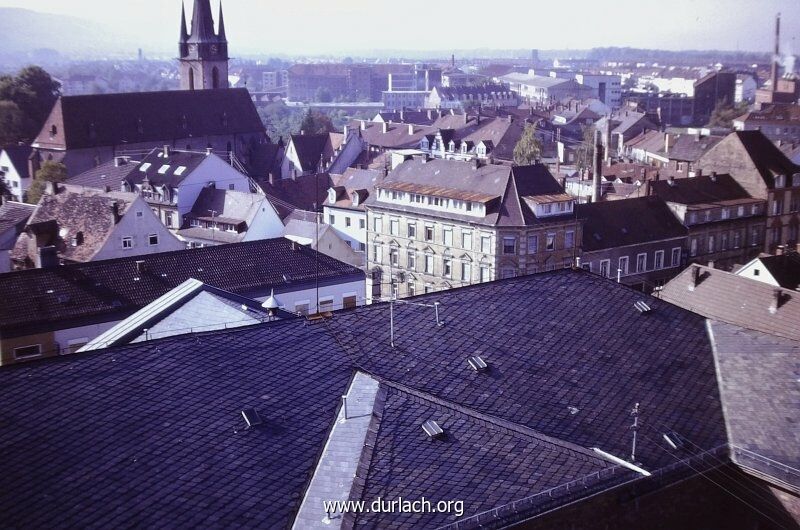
53, 131
191, 78
215, 77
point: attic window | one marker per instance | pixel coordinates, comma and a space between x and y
642, 307
674, 440
53, 131
180, 170
477, 364
163, 169
252, 417
432, 429
77, 239
144, 167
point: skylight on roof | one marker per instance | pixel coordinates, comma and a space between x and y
477, 364
642, 307
432, 429
144, 167
180, 170
252, 417
163, 169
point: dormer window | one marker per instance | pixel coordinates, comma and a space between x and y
452, 146
331, 195
780, 181
355, 199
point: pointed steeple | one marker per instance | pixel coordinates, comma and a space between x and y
202, 23
184, 31
221, 33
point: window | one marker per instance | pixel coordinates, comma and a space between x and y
412, 260
466, 240
127, 242
393, 257
447, 267
605, 265
429, 263
139, 214
325, 304
486, 244
411, 289
676, 256
726, 213
659, 261
569, 239
693, 247
331, 219
509, 245
231, 187
567, 264
377, 224
377, 253
485, 273
362, 224
623, 265
26, 352
723, 242
641, 262
412, 230
777, 206
466, 272
740, 211
428, 233
448, 237
301, 307
533, 244
754, 210
152, 240
168, 219
346, 221
736, 239
711, 242
394, 227
551, 242
754, 236
508, 272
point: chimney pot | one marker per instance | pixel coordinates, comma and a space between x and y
166, 151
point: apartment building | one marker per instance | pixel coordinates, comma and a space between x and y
437, 224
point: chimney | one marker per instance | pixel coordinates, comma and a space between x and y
166, 151
410, 129
777, 301
363, 125
120, 161
597, 189
384, 127
776, 56
711, 264
475, 164
107, 189
51, 188
713, 176
115, 211
271, 178
699, 173
695, 277
666, 143
780, 250
345, 131
671, 181
209, 151
47, 257
647, 190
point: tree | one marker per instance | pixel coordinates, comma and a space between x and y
49, 172
316, 122
12, 123
724, 113
528, 148
33, 92
585, 151
323, 95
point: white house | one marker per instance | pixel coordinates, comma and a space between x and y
780, 270
14, 170
344, 209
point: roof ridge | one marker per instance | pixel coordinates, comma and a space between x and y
490, 419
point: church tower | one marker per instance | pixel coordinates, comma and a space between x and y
203, 53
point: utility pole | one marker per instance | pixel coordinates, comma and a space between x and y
634, 428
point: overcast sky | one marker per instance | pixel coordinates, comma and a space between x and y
348, 26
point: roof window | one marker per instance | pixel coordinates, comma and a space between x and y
477, 363
432, 429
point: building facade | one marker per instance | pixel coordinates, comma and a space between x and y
203, 51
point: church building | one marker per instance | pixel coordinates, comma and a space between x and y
203, 52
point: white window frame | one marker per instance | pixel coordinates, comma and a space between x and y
127, 242
32, 356
658, 261
638, 257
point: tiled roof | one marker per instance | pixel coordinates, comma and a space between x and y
611, 224
231, 205
14, 214
306, 192
109, 174
705, 189
760, 395
781, 114
353, 181
94, 289
164, 415
137, 117
87, 214
169, 170
737, 300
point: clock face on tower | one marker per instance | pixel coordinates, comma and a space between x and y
193, 48
214, 49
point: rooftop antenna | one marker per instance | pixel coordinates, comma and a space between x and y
634, 428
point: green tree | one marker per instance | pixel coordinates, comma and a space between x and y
12, 123
34, 92
724, 113
49, 172
316, 122
528, 148
323, 95
585, 151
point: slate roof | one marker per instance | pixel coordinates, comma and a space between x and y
352, 181
683, 147
77, 212
151, 167
309, 149
768, 159
455, 93
110, 174
14, 216
703, 189
758, 381
109, 288
151, 434
612, 224
785, 268
229, 206
453, 178
302, 192
786, 115
737, 300
18, 154
116, 119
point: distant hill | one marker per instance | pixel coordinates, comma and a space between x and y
26, 33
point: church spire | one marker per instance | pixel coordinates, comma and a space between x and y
202, 23
184, 31
221, 33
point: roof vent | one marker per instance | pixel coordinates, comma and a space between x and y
252, 417
432, 429
642, 307
674, 440
477, 364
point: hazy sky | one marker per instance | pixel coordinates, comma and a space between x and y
334, 26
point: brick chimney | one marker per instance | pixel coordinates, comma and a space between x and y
114, 206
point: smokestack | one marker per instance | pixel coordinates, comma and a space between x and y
777, 55
597, 189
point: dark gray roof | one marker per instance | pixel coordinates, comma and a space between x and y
19, 157
758, 378
785, 268
611, 224
737, 300
152, 164
14, 215
306, 192
704, 189
309, 149
109, 288
165, 415
109, 174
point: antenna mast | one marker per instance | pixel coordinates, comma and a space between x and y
634, 428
